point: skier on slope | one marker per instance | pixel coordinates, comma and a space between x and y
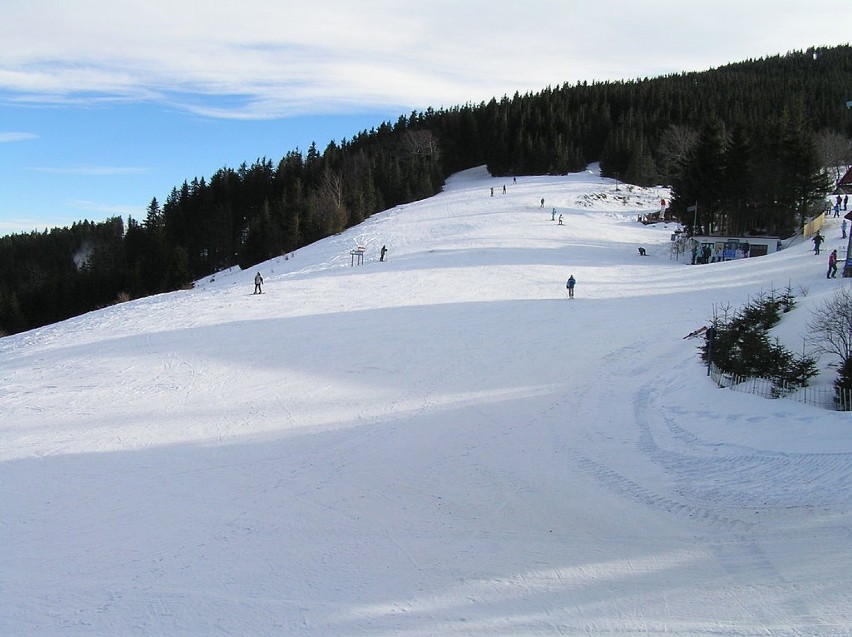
832, 265
570, 286
818, 239
258, 283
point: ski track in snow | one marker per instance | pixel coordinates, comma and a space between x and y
442, 444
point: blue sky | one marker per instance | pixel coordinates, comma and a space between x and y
105, 106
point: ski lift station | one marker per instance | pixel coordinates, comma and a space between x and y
714, 249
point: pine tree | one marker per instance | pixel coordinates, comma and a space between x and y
738, 202
702, 180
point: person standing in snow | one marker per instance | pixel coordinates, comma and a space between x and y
258, 283
570, 286
818, 239
832, 265
542, 202
382, 253
843, 229
553, 215
560, 218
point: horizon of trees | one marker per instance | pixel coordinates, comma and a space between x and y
748, 141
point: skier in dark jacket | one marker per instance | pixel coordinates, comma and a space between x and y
570, 286
818, 239
258, 282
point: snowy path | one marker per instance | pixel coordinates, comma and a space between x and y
442, 444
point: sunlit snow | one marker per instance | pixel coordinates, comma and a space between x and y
438, 444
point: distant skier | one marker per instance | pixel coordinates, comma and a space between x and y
553, 215
642, 252
832, 265
383, 252
570, 286
843, 229
542, 202
560, 218
258, 283
818, 239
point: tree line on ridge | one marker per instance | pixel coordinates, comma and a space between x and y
748, 141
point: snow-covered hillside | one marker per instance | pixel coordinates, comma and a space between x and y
438, 444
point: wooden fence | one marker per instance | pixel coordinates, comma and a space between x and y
813, 226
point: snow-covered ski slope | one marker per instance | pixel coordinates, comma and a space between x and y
440, 444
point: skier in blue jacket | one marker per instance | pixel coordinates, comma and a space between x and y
570, 286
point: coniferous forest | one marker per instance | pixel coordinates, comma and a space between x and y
750, 142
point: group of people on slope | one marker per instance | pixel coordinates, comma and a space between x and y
840, 203
832, 258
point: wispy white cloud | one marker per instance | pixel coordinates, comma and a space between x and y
274, 59
23, 225
102, 210
92, 211
16, 137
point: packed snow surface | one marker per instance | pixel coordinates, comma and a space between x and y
439, 444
